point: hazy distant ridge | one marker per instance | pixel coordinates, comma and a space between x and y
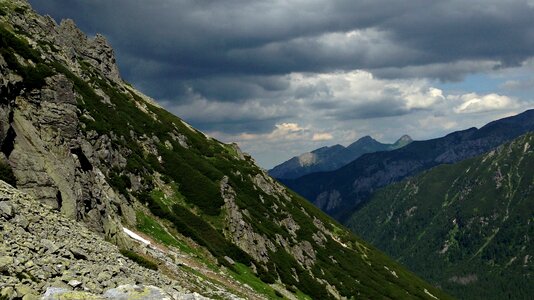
333, 157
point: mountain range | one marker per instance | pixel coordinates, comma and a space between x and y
467, 227
332, 158
343, 191
106, 178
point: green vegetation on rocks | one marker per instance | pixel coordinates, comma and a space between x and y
140, 260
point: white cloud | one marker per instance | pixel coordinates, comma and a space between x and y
281, 132
286, 131
288, 127
324, 136
314, 99
358, 94
474, 103
310, 110
421, 98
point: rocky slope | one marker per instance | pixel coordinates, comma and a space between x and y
43, 252
87, 144
332, 158
341, 192
467, 227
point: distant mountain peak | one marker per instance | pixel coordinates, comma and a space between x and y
329, 158
364, 142
405, 138
402, 141
366, 138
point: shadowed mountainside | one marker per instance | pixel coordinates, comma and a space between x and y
467, 226
332, 158
341, 192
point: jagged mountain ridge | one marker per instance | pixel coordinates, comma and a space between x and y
341, 192
332, 158
467, 226
87, 144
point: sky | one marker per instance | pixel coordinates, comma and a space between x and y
284, 77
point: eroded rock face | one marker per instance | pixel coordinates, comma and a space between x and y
270, 187
54, 162
242, 233
95, 51
258, 246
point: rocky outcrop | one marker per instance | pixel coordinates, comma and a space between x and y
242, 233
270, 187
95, 51
54, 162
255, 244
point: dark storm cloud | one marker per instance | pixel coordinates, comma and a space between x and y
238, 51
202, 38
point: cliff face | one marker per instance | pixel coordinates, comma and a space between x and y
466, 226
85, 143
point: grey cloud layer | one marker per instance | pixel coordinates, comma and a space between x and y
230, 65
203, 38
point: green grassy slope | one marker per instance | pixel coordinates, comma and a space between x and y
467, 227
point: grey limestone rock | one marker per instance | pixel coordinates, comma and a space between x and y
6, 209
56, 254
240, 231
96, 51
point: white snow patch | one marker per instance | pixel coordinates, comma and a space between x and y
428, 293
135, 236
527, 146
307, 159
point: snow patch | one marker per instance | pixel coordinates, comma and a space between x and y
135, 236
428, 293
307, 159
